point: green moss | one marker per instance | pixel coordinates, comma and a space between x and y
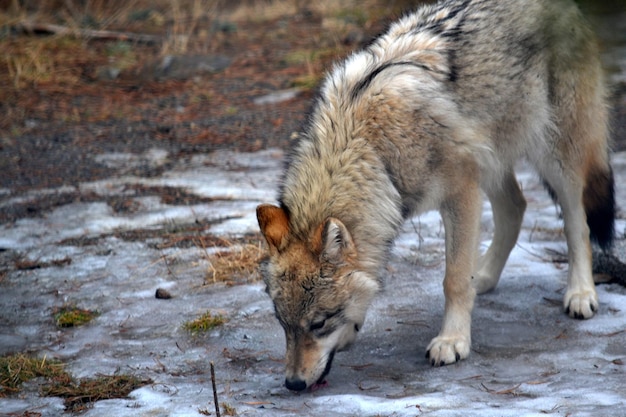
73, 316
204, 323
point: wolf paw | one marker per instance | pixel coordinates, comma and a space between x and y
446, 350
581, 304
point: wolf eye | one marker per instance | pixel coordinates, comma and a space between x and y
317, 325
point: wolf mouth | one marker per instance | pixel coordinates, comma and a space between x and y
329, 364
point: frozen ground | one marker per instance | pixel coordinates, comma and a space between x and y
527, 358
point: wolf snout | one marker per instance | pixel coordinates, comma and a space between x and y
295, 384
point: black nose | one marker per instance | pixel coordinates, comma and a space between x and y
295, 384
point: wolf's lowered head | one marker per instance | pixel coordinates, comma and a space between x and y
320, 296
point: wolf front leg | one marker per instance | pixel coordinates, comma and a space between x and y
461, 219
508, 205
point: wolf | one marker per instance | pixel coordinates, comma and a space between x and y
433, 111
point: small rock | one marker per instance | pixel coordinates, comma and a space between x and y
162, 294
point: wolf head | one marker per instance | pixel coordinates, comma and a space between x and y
320, 296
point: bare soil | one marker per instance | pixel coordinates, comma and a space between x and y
51, 128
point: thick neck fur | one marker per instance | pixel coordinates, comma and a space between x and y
335, 173
340, 167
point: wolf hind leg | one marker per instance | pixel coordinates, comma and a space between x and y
508, 206
580, 300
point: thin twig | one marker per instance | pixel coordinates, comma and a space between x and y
217, 406
164, 257
511, 390
418, 232
31, 27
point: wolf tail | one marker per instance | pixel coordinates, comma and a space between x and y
599, 203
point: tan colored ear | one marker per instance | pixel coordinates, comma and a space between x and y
274, 225
338, 247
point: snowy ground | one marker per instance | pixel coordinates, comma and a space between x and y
528, 358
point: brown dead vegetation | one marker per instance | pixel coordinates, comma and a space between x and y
235, 264
78, 394
63, 49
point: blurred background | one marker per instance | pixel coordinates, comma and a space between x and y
86, 76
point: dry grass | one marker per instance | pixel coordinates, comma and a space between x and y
30, 61
36, 66
235, 264
54, 59
19, 368
79, 395
184, 25
189, 17
39, 60
260, 11
228, 410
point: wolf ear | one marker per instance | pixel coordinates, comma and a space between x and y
274, 224
338, 246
